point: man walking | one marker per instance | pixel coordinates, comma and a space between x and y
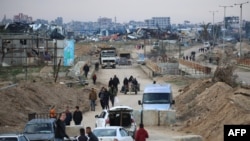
116, 82
92, 98
86, 70
112, 94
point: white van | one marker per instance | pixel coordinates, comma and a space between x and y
157, 97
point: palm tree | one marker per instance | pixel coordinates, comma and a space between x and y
205, 34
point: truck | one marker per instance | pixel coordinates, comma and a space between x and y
108, 57
42, 128
157, 97
124, 58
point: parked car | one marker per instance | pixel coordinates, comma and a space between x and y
112, 133
13, 137
117, 116
40, 129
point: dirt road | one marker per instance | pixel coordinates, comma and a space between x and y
156, 133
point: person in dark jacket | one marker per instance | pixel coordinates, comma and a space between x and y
112, 94
110, 82
60, 128
130, 79
125, 85
101, 97
116, 82
86, 70
82, 136
77, 116
94, 77
106, 98
68, 116
91, 135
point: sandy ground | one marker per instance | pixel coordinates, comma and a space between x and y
160, 133
202, 106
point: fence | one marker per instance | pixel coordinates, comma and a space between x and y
243, 62
196, 67
180, 68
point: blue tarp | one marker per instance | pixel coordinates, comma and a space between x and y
69, 53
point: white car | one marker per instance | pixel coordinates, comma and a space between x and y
13, 137
117, 116
112, 133
206, 44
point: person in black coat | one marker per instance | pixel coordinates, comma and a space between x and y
116, 82
82, 136
101, 97
86, 70
106, 99
125, 84
110, 82
60, 132
68, 116
77, 116
91, 135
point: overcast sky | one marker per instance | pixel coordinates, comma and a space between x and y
195, 11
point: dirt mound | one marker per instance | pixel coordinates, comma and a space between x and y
37, 97
204, 108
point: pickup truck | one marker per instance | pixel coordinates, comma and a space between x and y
43, 129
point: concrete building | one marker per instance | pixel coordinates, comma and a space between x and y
22, 18
161, 22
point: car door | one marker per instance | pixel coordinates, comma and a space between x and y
101, 120
124, 135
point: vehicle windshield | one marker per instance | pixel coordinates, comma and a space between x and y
108, 53
155, 98
105, 132
38, 128
8, 139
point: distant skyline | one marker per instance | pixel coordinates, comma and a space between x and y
195, 11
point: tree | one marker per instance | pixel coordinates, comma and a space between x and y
205, 34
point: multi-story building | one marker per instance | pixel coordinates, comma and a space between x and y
22, 18
59, 21
104, 22
161, 22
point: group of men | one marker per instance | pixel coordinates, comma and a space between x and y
60, 132
76, 116
126, 81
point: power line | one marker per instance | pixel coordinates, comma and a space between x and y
224, 25
240, 4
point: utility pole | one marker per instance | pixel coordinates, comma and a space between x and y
225, 7
240, 4
213, 26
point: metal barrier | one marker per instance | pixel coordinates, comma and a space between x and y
244, 62
40, 115
196, 66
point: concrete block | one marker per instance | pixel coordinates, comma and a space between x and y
188, 138
155, 117
150, 117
